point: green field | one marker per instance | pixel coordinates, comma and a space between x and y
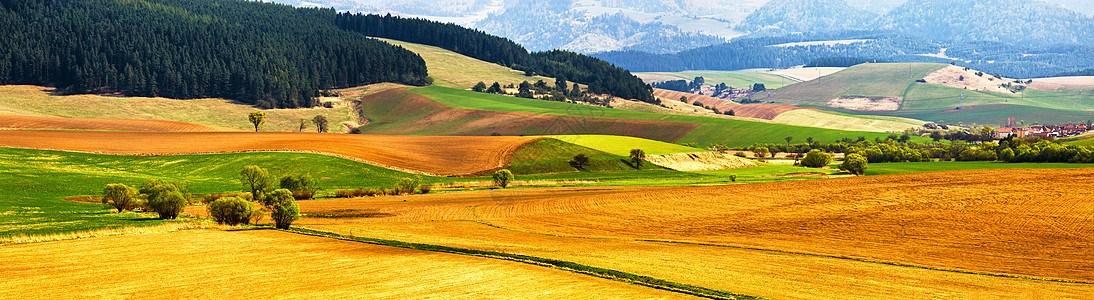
553, 156
454, 70
868, 80
730, 78
712, 130
622, 145
915, 167
922, 96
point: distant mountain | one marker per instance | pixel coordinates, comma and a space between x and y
789, 16
1009, 21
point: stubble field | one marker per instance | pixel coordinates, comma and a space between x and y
852, 237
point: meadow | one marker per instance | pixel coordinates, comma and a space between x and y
454, 70
866, 80
733, 79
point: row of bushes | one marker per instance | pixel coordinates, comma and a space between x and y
405, 186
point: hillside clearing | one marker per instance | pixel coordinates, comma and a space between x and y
454, 70
283, 264
444, 156
622, 145
38, 101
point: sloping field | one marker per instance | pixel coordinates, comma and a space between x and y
622, 145
210, 264
864, 80
400, 112
444, 156
454, 70
1067, 83
1034, 223
27, 122
45, 102
756, 111
806, 74
709, 131
826, 119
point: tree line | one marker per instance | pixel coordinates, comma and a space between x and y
601, 77
270, 55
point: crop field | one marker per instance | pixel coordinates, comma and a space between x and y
454, 70
833, 120
730, 78
946, 228
867, 80
27, 122
285, 265
553, 156
45, 102
709, 131
622, 145
444, 156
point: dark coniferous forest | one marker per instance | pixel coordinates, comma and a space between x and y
265, 54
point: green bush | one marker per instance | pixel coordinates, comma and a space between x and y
232, 211
816, 158
283, 208
425, 189
854, 163
303, 186
164, 198
408, 185
121, 197
503, 177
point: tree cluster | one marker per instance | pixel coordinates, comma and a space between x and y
259, 53
166, 199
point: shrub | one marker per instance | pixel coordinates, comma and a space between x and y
740, 154
258, 179
637, 156
761, 152
816, 158
232, 211
302, 195
408, 185
425, 189
164, 198
283, 208
854, 163
303, 184
733, 177
121, 197
503, 177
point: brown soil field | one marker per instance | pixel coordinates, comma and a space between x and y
1067, 83
399, 112
28, 122
213, 264
817, 236
443, 156
756, 111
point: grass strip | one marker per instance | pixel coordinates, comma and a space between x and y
656, 283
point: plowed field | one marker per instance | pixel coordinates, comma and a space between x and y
1025, 223
28, 122
248, 264
444, 156
756, 111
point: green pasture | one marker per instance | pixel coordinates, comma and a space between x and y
730, 78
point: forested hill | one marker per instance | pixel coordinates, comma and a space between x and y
266, 54
601, 77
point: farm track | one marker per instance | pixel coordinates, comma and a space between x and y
214, 264
1019, 223
30, 122
443, 156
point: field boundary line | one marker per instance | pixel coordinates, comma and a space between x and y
609, 274
896, 264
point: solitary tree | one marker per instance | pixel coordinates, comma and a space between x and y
761, 152
637, 156
503, 177
494, 88
303, 125
758, 87
854, 163
320, 123
121, 196
258, 179
257, 118
816, 159
409, 185
580, 161
479, 87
